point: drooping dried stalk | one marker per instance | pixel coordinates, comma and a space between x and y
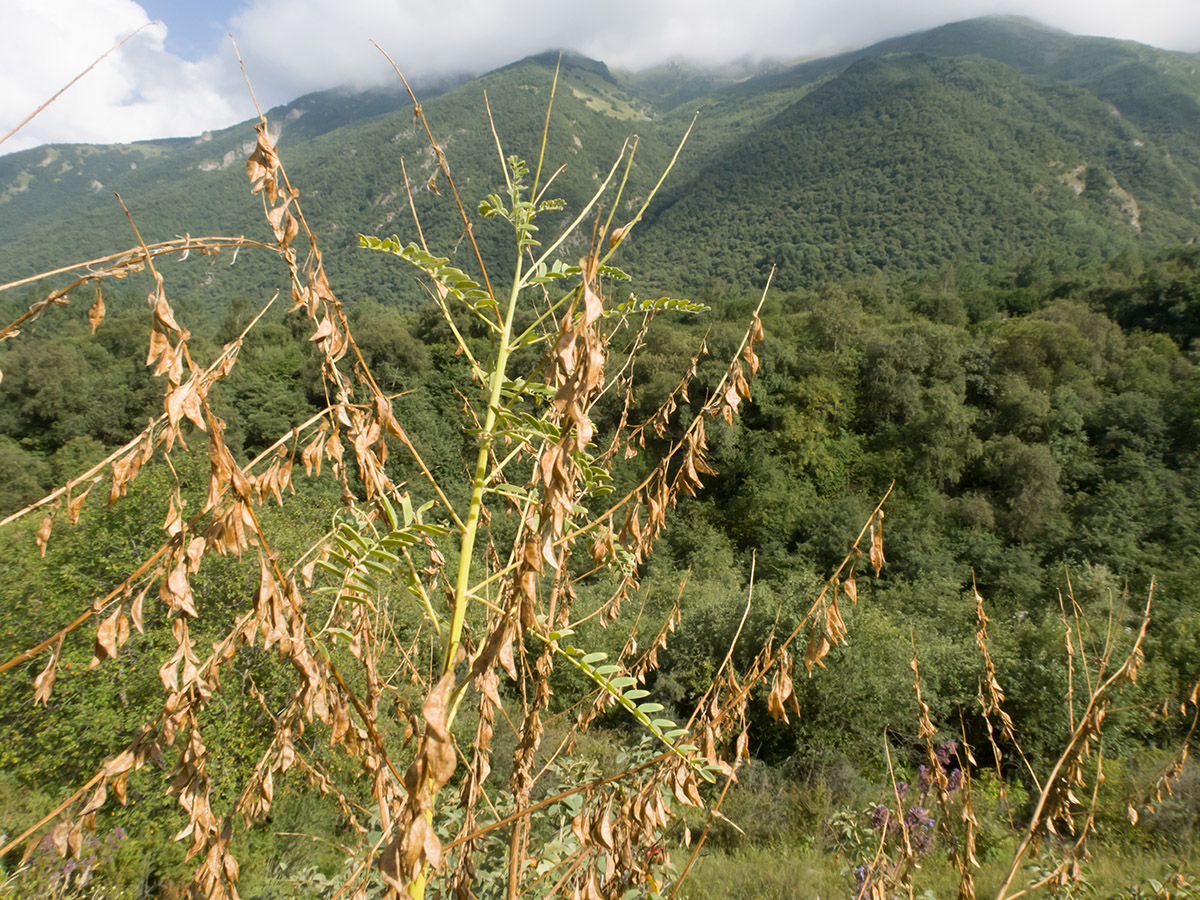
962, 851
991, 694
1056, 800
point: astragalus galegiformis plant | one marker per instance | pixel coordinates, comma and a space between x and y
412, 609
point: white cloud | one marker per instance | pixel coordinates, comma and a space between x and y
139, 91
295, 46
310, 42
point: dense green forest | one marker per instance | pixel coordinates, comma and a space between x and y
1042, 437
983, 307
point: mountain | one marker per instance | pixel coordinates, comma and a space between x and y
56, 202
1156, 89
993, 140
907, 161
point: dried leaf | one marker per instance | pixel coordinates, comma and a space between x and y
59, 836
195, 552
43, 534
593, 306
775, 703
390, 866
163, 313
43, 685
603, 830
159, 346
75, 504
506, 656
184, 401
324, 330
754, 337
850, 586
119, 764
135, 609
591, 888
440, 758
106, 639
96, 801
176, 591
291, 228
877, 559
307, 572
817, 650
275, 219
123, 471
174, 521
119, 785
96, 313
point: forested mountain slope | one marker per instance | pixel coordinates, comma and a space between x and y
887, 159
57, 202
905, 161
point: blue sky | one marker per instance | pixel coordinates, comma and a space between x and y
195, 28
181, 78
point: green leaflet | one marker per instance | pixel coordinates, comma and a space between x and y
662, 304
621, 688
364, 563
455, 280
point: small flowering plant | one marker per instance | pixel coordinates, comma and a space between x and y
46, 874
885, 841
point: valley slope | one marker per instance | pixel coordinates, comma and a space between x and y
992, 140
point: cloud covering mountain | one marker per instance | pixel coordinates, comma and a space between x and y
181, 77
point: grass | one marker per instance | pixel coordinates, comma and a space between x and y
780, 871
782, 841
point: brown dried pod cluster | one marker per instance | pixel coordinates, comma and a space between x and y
388, 704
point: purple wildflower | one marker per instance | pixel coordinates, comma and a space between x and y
918, 816
920, 829
862, 876
878, 816
944, 752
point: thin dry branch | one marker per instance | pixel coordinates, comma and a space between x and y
1087, 729
71, 83
418, 112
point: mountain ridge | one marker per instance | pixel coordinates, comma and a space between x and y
962, 160
1050, 98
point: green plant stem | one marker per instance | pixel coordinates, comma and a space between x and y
471, 524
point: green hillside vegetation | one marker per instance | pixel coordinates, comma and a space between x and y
352, 179
1155, 88
1051, 149
1042, 439
904, 162
983, 307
